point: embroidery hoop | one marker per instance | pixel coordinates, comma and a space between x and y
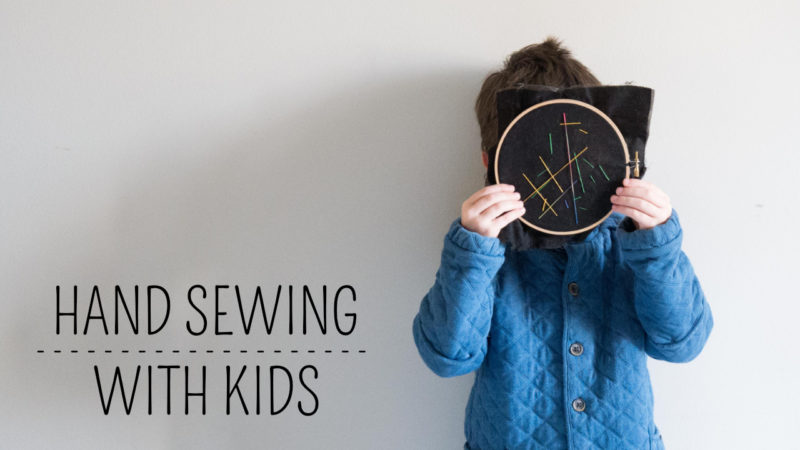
549, 103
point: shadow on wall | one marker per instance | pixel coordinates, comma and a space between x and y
344, 186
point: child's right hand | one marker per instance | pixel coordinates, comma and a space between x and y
487, 211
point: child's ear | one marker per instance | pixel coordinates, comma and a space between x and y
485, 159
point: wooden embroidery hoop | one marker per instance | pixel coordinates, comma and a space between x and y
596, 111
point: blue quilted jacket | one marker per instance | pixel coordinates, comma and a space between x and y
560, 338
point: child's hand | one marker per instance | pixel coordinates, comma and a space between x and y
643, 202
483, 212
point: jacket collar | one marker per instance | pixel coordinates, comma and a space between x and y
594, 238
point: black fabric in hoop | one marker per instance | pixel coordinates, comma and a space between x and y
628, 106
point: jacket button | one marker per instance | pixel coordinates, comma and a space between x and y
576, 349
578, 404
573, 289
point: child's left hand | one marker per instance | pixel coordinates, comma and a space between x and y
643, 202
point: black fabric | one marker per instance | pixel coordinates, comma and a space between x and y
629, 107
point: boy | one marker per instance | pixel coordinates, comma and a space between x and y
560, 337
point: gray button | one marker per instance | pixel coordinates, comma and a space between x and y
578, 404
573, 289
576, 348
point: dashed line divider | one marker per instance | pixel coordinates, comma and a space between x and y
140, 351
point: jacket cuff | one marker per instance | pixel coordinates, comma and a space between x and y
474, 242
688, 347
651, 237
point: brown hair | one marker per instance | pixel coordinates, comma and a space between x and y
547, 63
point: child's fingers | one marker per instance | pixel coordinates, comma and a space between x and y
482, 203
644, 189
633, 213
499, 208
651, 195
492, 188
636, 203
643, 193
508, 217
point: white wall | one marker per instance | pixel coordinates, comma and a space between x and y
266, 143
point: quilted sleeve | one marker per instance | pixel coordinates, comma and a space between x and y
668, 298
451, 328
